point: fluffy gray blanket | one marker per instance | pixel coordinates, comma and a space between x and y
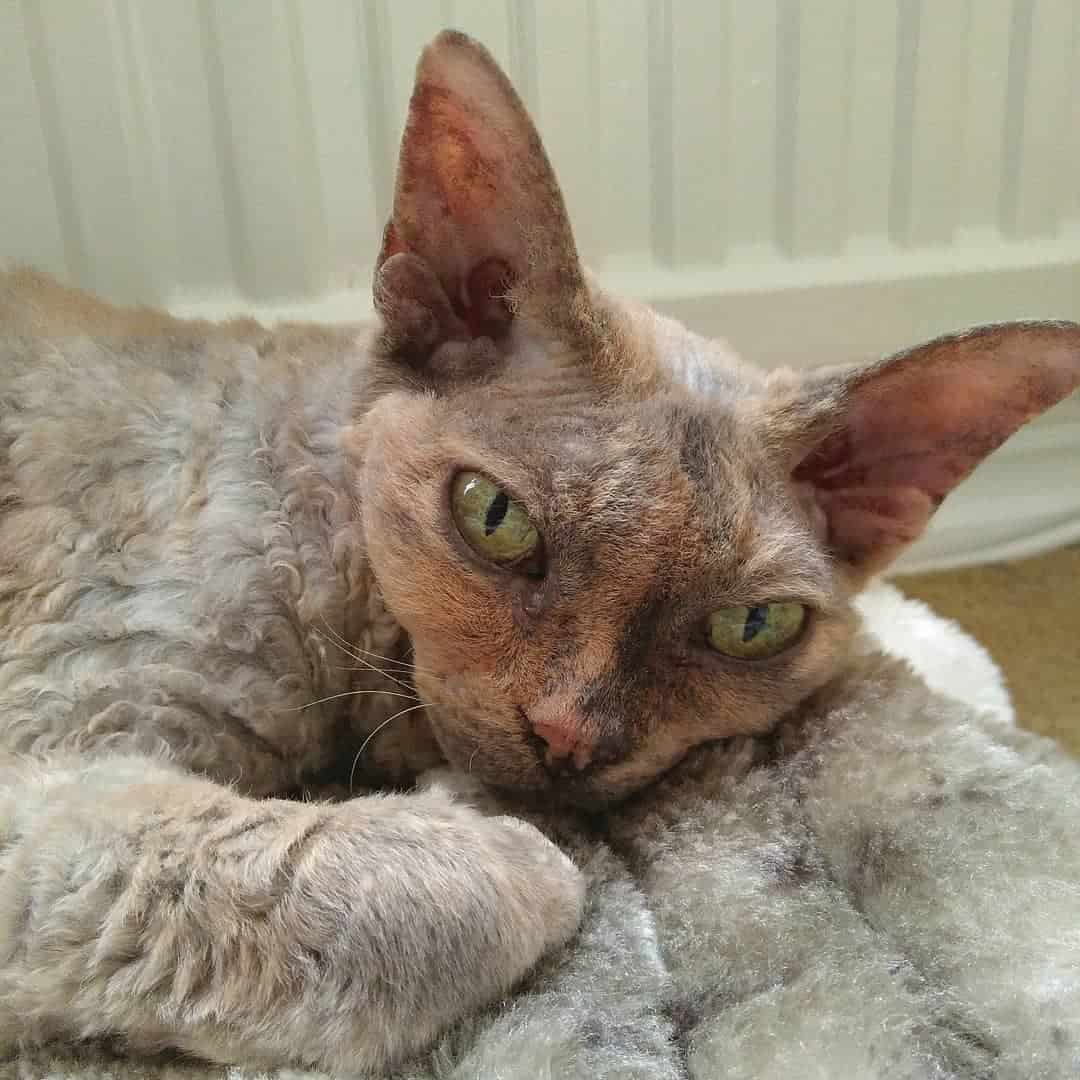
891, 889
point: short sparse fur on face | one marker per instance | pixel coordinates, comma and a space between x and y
653, 513
234, 552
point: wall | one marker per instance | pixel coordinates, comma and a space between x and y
815, 181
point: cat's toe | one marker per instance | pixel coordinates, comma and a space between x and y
548, 886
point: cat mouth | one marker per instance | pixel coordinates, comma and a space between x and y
501, 749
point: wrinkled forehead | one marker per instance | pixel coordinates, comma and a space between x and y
677, 484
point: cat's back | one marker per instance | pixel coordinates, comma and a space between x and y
170, 494
96, 397
49, 327
100, 406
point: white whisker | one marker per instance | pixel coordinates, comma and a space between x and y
402, 666
354, 650
354, 693
364, 744
367, 664
406, 666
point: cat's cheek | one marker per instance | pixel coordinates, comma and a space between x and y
488, 745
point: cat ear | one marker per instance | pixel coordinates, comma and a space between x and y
874, 452
478, 226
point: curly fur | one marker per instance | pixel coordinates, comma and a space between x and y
230, 577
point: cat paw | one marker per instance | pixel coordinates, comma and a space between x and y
504, 892
549, 888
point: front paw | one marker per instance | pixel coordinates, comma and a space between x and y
414, 911
463, 787
547, 889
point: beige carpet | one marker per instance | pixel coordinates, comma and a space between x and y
1028, 615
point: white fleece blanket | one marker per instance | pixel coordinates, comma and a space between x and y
893, 891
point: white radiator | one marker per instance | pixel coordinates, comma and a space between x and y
816, 181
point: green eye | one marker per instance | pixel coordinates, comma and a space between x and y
755, 633
494, 525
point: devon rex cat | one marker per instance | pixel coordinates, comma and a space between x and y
583, 539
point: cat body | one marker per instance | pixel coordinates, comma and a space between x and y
183, 564
133, 443
235, 560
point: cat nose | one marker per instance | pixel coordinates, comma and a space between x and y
565, 739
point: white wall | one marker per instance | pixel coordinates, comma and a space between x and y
816, 181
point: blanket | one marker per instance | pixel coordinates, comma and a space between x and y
888, 889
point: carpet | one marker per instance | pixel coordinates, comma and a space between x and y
1027, 614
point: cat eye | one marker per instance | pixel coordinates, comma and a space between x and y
493, 524
756, 633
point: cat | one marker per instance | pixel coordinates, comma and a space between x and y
514, 523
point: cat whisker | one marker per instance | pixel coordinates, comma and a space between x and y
390, 660
389, 720
400, 666
371, 667
400, 670
354, 693
368, 667
333, 637
354, 650
358, 667
406, 666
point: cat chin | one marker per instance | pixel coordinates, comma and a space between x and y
521, 778
583, 793
517, 774
562, 797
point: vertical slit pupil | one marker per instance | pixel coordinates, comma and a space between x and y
496, 511
756, 617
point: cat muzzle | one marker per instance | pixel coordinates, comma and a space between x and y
561, 739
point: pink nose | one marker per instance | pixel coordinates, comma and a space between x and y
565, 738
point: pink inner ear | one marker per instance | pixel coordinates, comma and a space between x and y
867, 526
476, 202
910, 430
880, 448
454, 182
880, 477
448, 183
485, 308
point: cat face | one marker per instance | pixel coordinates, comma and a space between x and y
587, 668
609, 540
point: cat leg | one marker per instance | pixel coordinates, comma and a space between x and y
140, 902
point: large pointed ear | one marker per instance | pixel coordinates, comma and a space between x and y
479, 226
874, 451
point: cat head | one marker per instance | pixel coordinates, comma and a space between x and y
609, 540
